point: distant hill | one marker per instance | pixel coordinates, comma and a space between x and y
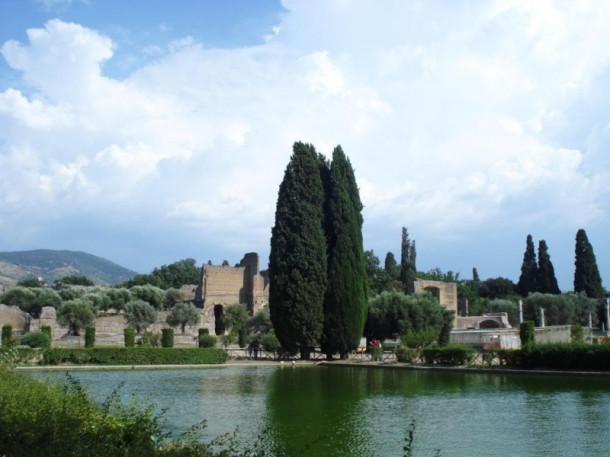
50, 265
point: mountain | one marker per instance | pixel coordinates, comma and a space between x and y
50, 265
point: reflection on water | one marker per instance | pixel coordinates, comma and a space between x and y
333, 411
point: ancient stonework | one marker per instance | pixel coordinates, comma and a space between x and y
222, 286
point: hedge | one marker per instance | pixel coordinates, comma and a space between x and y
452, 354
167, 337
134, 356
130, 337
89, 337
567, 356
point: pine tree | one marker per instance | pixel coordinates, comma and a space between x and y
297, 261
475, 275
407, 262
345, 304
547, 282
586, 274
529, 270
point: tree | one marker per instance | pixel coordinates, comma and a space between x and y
390, 266
75, 281
76, 314
140, 315
528, 281
172, 297
345, 304
155, 296
183, 314
475, 275
31, 282
497, 288
118, 298
22, 297
260, 323
175, 275
235, 319
407, 262
297, 261
586, 274
547, 282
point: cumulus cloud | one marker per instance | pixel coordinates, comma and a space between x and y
458, 117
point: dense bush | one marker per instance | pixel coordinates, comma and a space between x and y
167, 337
38, 339
452, 354
505, 357
406, 354
89, 337
7, 335
527, 333
206, 340
45, 419
134, 356
269, 342
376, 353
566, 356
130, 337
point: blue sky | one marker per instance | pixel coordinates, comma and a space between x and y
150, 131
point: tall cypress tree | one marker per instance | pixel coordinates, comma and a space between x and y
345, 304
547, 282
529, 270
407, 262
297, 262
586, 274
390, 265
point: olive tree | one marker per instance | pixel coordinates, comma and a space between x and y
183, 314
140, 315
76, 314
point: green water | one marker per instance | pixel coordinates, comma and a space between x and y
336, 411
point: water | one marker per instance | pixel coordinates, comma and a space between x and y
337, 411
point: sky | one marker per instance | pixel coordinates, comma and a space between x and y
150, 131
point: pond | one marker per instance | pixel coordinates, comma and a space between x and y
343, 411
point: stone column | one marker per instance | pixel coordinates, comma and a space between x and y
520, 311
541, 317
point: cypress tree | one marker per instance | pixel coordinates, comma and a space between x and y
586, 274
345, 305
297, 261
407, 262
529, 270
390, 265
547, 282
475, 275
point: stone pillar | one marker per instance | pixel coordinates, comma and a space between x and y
520, 311
590, 321
541, 317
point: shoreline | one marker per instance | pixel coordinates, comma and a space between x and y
336, 363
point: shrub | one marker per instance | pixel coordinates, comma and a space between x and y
270, 343
242, 338
419, 339
38, 339
376, 353
452, 354
7, 335
167, 337
577, 333
204, 331
47, 330
206, 340
130, 338
149, 339
89, 337
567, 356
406, 354
134, 356
527, 333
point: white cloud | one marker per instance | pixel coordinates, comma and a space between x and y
457, 116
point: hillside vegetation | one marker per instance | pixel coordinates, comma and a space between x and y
51, 264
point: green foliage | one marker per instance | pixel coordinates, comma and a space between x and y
76, 314
528, 281
134, 356
31, 282
183, 314
89, 337
153, 295
505, 357
376, 353
149, 340
22, 297
565, 309
260, 323
140, 315
242, 338
345, 304
167, 337
130, 337
445, 331
47, 297
173, 296
206, 340
408, 269
7, 335
451, 354
46, 329
501, 305
406, 354
378, 278
75, 280
419, 339
436, 274
547, 282
235, 318
203, 331
227, 339
497, 288
270, 343
174, 275
577, 333
393, 313
71, 293
118, 298
586, 274
37, 339
567, 356
527, 333
298, 259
